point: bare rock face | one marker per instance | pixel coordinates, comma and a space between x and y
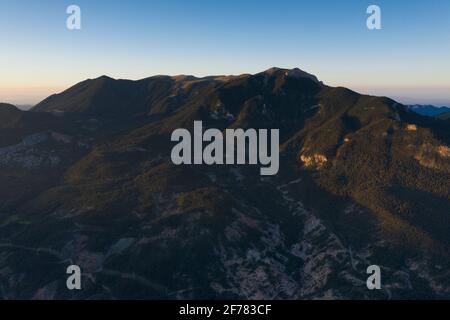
38, 151
314, 161
27, 154
297, 73
434, 156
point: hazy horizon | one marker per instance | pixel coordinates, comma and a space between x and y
29, 97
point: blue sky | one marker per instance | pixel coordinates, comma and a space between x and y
408, 59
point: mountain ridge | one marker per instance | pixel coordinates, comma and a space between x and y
88, 93
429, 110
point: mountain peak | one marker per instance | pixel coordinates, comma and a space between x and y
293, 73
103, 77
297, 73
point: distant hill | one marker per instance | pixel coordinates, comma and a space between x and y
8, 114
429, 110
24, 107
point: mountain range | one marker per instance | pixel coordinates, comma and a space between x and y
429, 110
86, 179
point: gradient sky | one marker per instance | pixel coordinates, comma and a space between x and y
409, 59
